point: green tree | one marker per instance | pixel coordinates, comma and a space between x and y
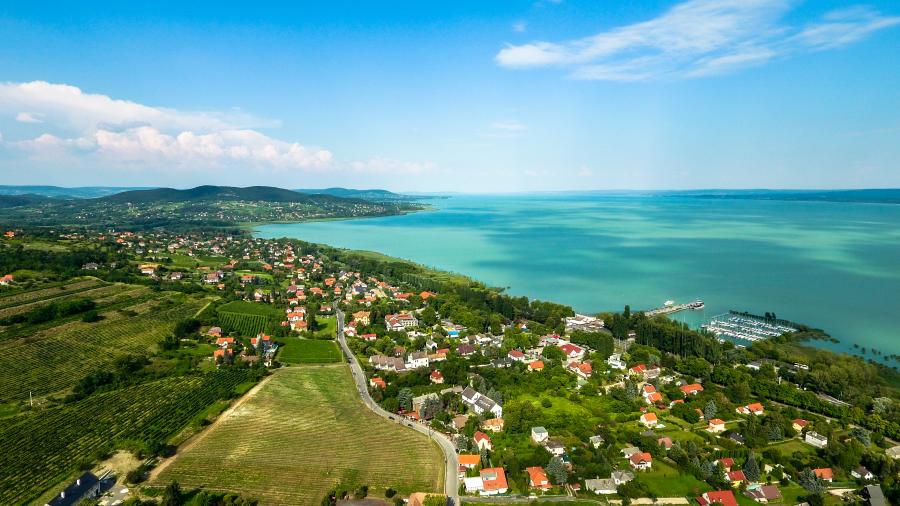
404, 398
172, 495
709, 411
556, 468
751, 468
812, 483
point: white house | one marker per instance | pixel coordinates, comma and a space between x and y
400, 321
615, 362
816, 439
481, 404
539, 434
417, 360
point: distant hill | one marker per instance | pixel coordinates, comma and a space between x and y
208, 192
80, 192
373, 194
867, 196
28, 199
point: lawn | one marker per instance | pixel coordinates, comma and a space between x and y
304, 432
787, 448
559, 405
308, 351
663, 480
328, 327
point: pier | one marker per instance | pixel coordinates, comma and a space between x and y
675, 308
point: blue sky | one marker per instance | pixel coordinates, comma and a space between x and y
464, 96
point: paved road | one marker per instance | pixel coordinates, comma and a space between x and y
451, 480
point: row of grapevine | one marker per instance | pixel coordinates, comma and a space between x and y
242, 323
41, 448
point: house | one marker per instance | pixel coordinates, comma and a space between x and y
814, 438
641, 461
539, 434
555, 448
224, 342
861, 473
874, 496
751, 409
479, 403
377, 382
582, 370
436, 377
494, 481
362, 317
716, 426
214, 332
615, 362
622, 477
601, 486
465, 350
723, 497
649, 419
799, 424
417, 360
474, 484
692, 389
469, 461
400, 321
572, 351
648, 373
419, 401
596, 441
727, 463
665, 442
824, 474
629, 450
482, 441
493, 425
537, 365
537, 478
516, 355
736, 477
385, 363
763, 493
653, 398
86, 486
459, 422
223, 353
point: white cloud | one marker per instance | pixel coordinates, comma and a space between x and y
100, 130
508, 126
29, 117
519, 26
696, 38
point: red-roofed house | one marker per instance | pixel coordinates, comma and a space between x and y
537, 478
482, 441
469, 461
224, 341
377, 382
641, 461
751, 409
716, 426
537, 365
493, 425
736, 477
692, 389
824, 474
516, 355
653, 398
572, 351
649, 419
727, 463
799, 424
436, 377
723, 497
494, 481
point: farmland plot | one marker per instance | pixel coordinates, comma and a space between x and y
301, 434
74, 286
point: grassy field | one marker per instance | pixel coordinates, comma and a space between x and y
328, 326
304, 432
308, 351
787, 448
54, 359
666, 481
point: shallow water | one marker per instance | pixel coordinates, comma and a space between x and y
831, 265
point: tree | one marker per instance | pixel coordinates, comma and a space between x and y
812, 483
556, 468
751, 468
172, 495
861, 435
404, 398
709, 411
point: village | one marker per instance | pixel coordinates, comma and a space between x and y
534, 410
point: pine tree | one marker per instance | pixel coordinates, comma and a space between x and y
751, 469
556, 468
709, 411
404, 398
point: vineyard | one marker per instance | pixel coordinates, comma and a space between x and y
98, 294
247, 318
55, 359
303, 433
49, 292
42, 448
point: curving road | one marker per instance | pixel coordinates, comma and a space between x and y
451, 480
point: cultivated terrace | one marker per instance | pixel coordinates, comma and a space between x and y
540, 401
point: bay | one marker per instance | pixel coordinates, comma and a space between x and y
835, 266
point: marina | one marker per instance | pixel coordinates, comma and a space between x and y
743, 327
670, 308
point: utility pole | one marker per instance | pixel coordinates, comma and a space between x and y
30, 400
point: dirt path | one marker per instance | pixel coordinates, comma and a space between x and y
196, 438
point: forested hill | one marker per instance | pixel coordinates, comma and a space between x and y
209, 192
373, 194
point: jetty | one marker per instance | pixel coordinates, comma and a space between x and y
670, 308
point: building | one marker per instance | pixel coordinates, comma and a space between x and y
494, 481
861, 473
692, 389
86, 486
537, 478
361, 317
400, 321
751, 409
436, 377
417, 360
649, 419
641, 461
480, 403
723, 497
824, 474
601, 486
799, 424
816, 439
596, 441
615, 362
893, 452
716, 426
469, 461
555, 448
482, 441
537, 365
874, 496
493, 425
763, 493
539, 434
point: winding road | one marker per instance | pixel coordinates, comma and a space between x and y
451, 464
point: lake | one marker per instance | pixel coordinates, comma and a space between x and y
835, 266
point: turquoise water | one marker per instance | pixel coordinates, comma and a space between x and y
833, 266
